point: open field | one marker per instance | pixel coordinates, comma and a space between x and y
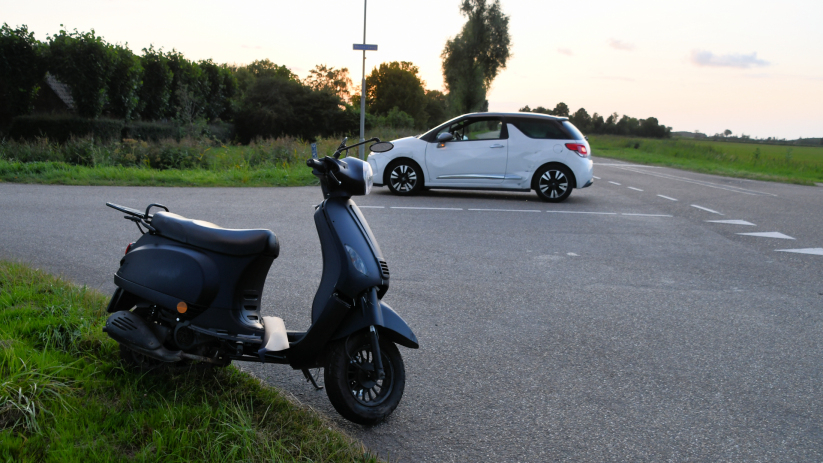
64, 395
791, 164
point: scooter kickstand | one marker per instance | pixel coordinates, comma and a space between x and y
310, 377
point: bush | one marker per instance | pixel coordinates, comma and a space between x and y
61, 128
151, 131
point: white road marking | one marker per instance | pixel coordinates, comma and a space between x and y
624, 165
596, 177
698, 182
506, 210
648, 215
813, 251
633, 188
666, 197
584, 212
769, 235
372, 207
614, 183
430, 208
706, 209
732, 222
571, 254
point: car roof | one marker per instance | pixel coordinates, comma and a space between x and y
518, 114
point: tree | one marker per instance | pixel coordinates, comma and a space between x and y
22, 68
397, 84
474, 57
437, 107
85, 63
221, 87
275, 107
334, 80
561, 110
581, 120
156, 90
189, 87
247, 75
727, 133
123, 94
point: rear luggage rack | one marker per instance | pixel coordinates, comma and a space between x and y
142, 219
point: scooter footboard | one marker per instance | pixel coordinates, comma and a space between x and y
392, 326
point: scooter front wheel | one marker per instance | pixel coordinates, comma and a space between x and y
352, 384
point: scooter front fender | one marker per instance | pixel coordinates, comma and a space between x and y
392, 326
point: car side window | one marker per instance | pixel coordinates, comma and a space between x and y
542, 129
490, 128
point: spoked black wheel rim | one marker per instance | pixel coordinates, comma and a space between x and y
553, 184
403, 178
364, 384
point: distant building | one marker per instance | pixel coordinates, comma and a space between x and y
53, 97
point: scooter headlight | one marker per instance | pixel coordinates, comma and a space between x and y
368, 176
355, 259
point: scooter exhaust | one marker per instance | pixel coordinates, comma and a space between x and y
132, 331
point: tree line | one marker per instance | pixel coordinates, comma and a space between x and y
613, 124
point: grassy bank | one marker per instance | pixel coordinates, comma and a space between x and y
64, 395
187, 162
791, 164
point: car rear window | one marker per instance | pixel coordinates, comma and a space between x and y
543, 129
573, 130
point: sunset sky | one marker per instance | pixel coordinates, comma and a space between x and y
753, 67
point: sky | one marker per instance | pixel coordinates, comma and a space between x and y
752, 67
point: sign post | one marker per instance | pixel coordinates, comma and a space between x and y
363, 46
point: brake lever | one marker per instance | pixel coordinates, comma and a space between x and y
331, 175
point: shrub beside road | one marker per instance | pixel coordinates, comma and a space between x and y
64, 395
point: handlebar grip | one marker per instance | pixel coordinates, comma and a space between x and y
314, 163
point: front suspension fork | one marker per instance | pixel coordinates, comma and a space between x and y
377, 314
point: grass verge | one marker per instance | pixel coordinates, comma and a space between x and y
64, 395
789, 164
61, 173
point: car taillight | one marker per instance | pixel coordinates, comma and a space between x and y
578, 148
128, 248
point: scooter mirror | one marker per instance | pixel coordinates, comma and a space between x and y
381, 147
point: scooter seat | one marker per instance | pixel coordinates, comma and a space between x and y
209, 236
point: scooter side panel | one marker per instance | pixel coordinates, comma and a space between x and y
181, 273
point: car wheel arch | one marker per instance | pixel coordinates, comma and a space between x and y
573, 179
387, 170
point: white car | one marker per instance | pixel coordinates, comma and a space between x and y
490, 151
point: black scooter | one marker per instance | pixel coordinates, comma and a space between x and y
190, 291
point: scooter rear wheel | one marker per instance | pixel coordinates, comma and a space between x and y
352, 385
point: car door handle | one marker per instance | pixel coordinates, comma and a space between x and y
497, 145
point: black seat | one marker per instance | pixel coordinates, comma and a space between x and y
209, 236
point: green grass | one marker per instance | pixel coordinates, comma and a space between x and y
65, 397
791, 164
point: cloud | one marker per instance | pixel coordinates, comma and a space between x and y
619, 45
734, 60
565, 51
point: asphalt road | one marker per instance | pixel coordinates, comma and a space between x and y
619, 325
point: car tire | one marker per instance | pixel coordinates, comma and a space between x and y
553, 183
404, 177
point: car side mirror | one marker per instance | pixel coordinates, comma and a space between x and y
444, 137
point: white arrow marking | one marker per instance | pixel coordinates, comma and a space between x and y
732, 222
769, 235
814, 251
706, 209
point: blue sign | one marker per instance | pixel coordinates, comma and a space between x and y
314, 150
365, 46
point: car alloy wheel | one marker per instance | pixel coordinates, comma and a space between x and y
404, 178
553, 184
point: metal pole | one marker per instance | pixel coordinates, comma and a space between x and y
363, 91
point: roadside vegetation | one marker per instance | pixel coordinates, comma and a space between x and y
188, 162
64, 395
791, 164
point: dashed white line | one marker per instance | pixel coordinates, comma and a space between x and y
647, 215
732, 222
596, 177
706, 209
813, 251
614, 183
633, 188
768, 235
372, 207
666, 197
583, 212
429, 208
697, 182
507, 210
